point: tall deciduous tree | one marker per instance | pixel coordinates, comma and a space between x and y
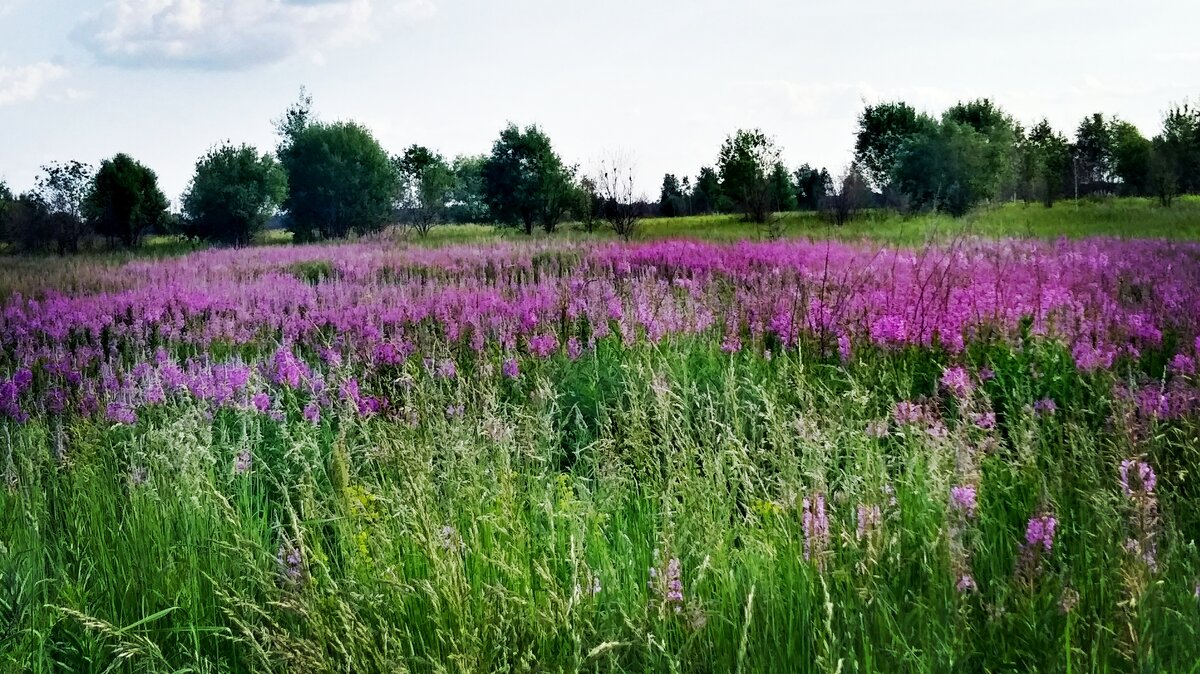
425, 184
945, 168
883, 130
124, 201
233, 193
1131, 153
706, 195
525, 181
467, 198
340, 180
622, 208
1093, 155
747, 165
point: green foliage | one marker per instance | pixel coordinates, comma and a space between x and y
706, 195
520, 535
340, 180
1176, 157
234, 192
811, 187
948, 167
1131, 154
883, 131
467, 199
124, 201
1045, 163
426, 184
1094, 154
525, 181
671, 199
748, 165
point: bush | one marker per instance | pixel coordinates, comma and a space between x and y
233, 194
340, 180
124, 202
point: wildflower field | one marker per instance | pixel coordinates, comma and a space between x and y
550, 457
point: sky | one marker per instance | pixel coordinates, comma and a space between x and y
659, 82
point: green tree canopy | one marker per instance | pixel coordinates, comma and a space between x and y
945, 168
1094, 154
340, 180
747, 165
1131, 152
426, 183
124, 202
525, 181
467, 202
706, 195
883, 129
232, 195
811, 187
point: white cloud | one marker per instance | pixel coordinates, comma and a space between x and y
24, 83
225, 34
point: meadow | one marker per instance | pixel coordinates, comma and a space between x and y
903, 451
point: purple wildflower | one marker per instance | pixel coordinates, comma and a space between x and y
1045, 407
312, 413
291, 563
957, 381
984, 420
262, 402
1143, 477
1040, 532
963, 499
510, 368
242, 462
966, 583
119, 413
906, 412
816, 526
869, 518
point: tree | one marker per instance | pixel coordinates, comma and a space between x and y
232, 195
1163, 174
671, 197
425, 184
1048, 157
467, 202
525, 181
883, 129
999, 133
587, 207
1130, 157
747, 163
340, 180
63, 187
850, 195
946, 168
706, 195
124, 201
810, 187
622, 209
1178, 148
783, 192
1094, 155
7, 203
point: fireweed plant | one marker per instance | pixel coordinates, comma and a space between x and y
675, 456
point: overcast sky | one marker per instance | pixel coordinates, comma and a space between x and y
664, 82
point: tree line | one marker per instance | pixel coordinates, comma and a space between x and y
332, 179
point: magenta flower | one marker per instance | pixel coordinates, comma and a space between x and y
1040, 532
963, 499
957, 381
1045, 407
510, 368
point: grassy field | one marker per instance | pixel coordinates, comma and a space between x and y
551, 456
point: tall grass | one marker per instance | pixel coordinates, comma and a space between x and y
518, 532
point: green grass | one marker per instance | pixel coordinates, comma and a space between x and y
470, 544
